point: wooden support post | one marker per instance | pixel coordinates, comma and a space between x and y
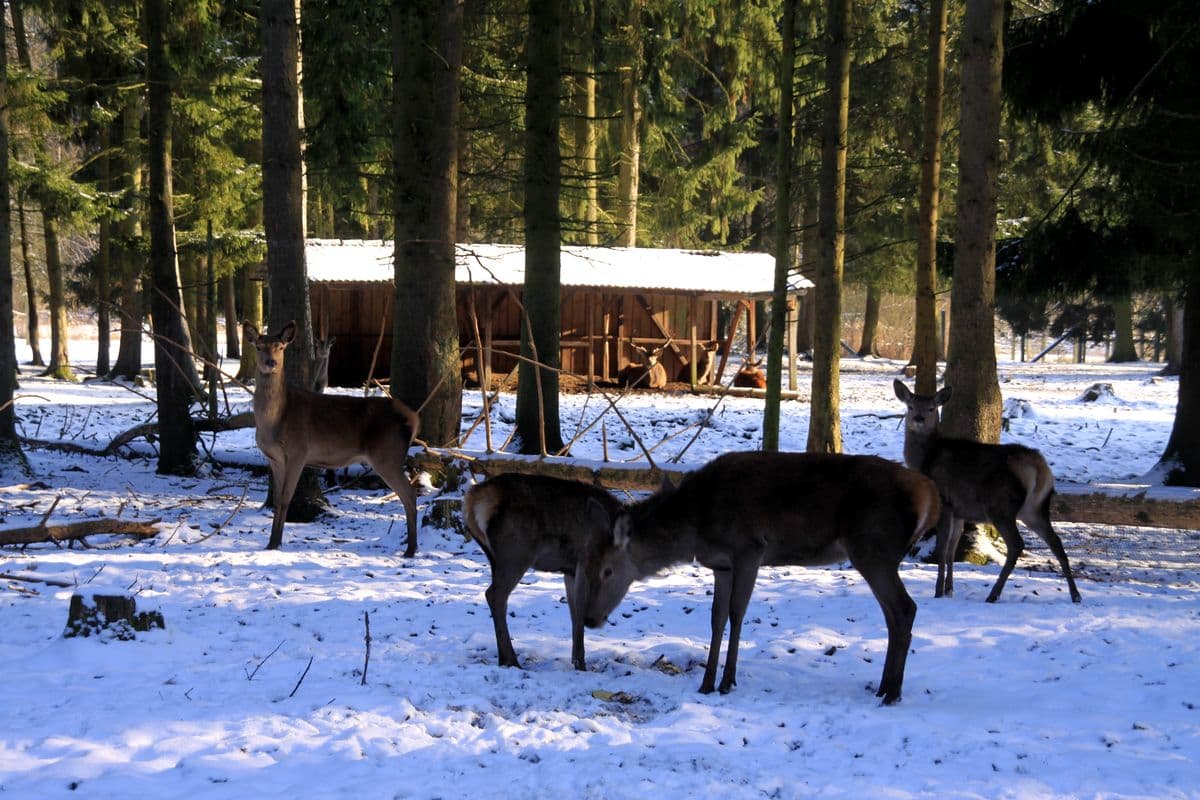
693, 352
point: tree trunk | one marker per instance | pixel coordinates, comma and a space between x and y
104, 263
33, 323
129, 351
174, 381
587, 207
60, 363
12, 460
925, 341
233, 335
284, 212
631, 123
537, 389
1124, 349
870, 329
252, 312
783, 229
1174, 347
426, 366
1180, 461
824, 427
23, 58
974, 413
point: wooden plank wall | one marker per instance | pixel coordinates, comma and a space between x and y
597, 328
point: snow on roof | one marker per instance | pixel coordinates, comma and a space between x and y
706, 271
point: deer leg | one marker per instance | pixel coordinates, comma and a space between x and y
722, 589
950, 530
1042, 527
285, 475
743, 587
397, 480
899, 611
1015, 545
503, 582
577, 656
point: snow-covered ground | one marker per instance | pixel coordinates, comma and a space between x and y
256, 686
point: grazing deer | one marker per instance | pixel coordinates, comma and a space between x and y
752, 509
646, 370
705, 363
524, 521
321, 348
979, 482
295, 428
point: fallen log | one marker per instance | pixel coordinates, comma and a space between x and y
80, 529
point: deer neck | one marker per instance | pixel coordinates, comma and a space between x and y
270, 398
666, 535
919, 447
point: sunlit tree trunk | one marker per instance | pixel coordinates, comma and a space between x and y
12, 460
537, 389
974, 412
284, 212
824, 427
925, 342
129, 351
631, 123
1123, 346
783, 229
60, 362
175, 380
426, 365
870, 329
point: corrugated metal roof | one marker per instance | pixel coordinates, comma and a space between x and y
650, 269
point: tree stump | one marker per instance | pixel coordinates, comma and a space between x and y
108, 613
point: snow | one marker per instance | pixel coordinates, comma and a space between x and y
256, 685
743, 273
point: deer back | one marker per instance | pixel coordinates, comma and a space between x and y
512, 516
775, 508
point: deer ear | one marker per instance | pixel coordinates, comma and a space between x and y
249, 331
288, 333
901, 390
621, 534
598, 515
942, 397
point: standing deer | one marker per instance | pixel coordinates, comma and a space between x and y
524, 521
296, 427
752, 509
321, 348
646, 370
979, 482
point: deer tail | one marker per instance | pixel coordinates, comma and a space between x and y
479, 507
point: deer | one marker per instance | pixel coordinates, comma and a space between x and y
746, 510
540, 522
705, 362
322, 348
647, 370
979, 482
296, 427
750, 377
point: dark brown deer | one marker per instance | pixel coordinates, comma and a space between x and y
746, 510
539, 522
321, 349
979, 482
296, 427
705, 363
645, 370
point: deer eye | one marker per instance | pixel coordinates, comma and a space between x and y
607, 573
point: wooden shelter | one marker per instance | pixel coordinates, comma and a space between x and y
612, 299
